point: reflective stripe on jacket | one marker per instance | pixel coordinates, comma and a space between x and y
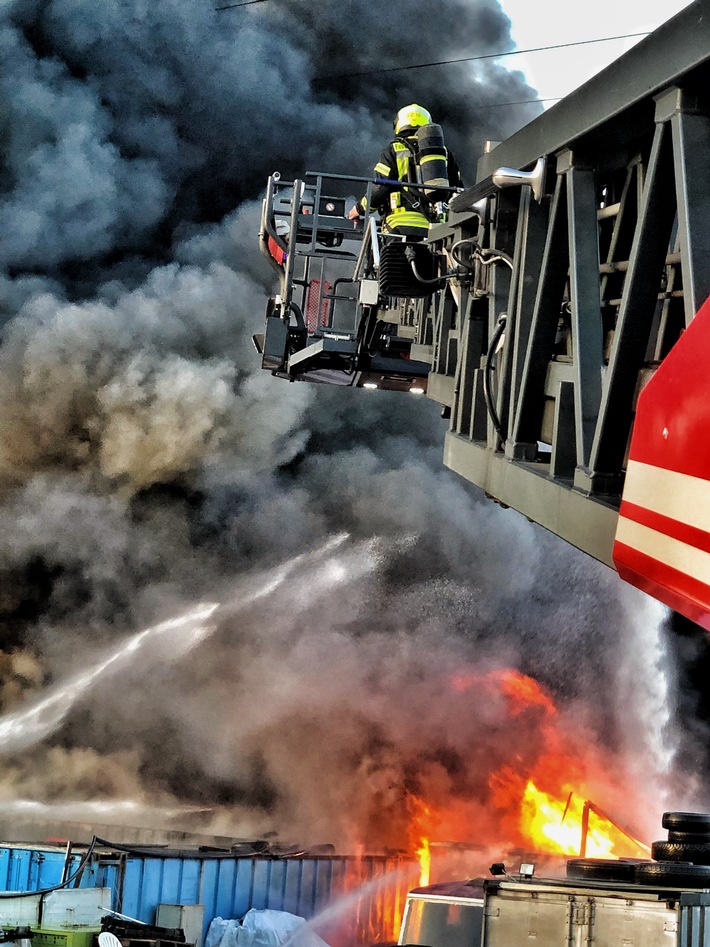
409, 222
396, 164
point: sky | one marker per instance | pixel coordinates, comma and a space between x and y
556, 73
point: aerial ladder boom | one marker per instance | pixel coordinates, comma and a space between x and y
562, 322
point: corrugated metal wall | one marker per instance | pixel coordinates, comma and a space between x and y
364, 895
31, 869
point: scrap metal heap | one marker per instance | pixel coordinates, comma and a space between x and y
558, 314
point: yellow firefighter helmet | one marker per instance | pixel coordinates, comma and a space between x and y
411, 116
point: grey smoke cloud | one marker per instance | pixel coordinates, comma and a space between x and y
126, 117
147, 463
72, 192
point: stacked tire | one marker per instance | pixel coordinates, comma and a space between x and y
603, 869
688, 838
683, 859
680, 861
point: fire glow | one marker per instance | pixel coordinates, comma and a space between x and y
531, 798
573, 827
536, 802
420, 832
424, 856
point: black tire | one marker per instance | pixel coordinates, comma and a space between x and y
691, 838
600, 869
698, 854
686, 821
673, 874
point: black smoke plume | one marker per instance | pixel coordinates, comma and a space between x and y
147, 464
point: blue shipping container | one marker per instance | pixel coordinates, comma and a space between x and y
363, 896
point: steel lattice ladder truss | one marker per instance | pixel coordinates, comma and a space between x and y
607, 267
558, 337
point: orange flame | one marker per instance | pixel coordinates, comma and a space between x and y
553, 826
424, 856
523, 692
520, 691
542, 771
573, 827
372, 897
422, 824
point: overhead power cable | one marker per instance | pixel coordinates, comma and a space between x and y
244, 3
449, 62
500, 105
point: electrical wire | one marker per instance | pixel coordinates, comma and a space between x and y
244, 3
437, 281
449, 62
500, 105
487, 257
454, 251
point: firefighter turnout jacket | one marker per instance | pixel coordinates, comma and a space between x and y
404, 211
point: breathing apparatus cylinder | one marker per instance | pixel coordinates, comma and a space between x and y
432, 158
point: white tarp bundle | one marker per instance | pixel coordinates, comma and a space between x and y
263, 929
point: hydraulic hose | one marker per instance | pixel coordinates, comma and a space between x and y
410, 255
64, 884
488, 371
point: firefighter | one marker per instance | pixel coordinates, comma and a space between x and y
405, 211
